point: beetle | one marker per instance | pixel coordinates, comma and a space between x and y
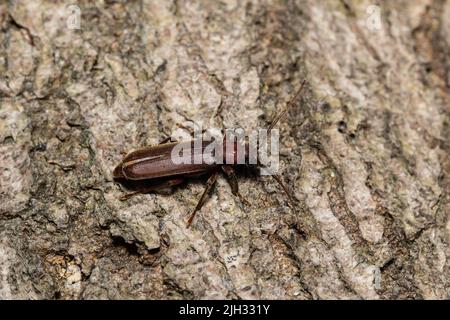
153, 167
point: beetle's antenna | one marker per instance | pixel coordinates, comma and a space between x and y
279, 116
278, 178
285, 189
289, 105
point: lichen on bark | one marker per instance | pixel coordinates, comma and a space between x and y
366, 151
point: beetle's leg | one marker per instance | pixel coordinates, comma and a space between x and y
166, 140
209, 184
147, 189
191, 132
229, 171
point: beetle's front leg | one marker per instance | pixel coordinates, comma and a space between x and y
229, 171
153, 187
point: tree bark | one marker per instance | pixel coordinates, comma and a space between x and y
365, 151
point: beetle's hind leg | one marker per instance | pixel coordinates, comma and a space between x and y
229, 171
153, 187
192, 132
168, 140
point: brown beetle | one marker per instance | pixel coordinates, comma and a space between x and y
154, 167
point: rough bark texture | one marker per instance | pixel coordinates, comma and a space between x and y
365, 152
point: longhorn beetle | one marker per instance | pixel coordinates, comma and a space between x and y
155, 169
